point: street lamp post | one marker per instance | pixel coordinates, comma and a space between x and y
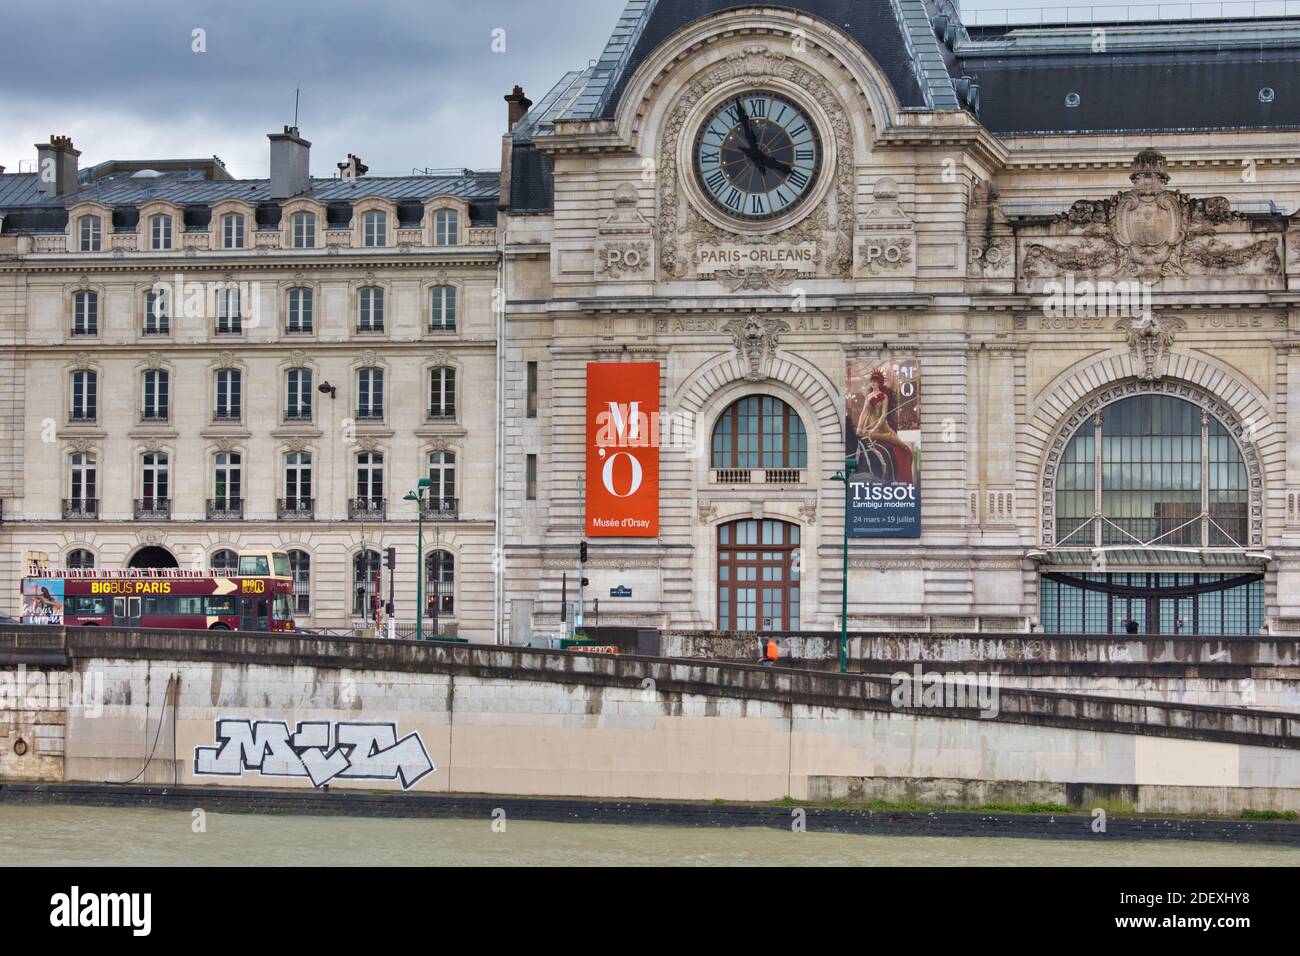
418, 497
846, 476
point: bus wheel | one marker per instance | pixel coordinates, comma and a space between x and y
218, 627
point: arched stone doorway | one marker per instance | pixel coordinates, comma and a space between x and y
153, 556
758, 575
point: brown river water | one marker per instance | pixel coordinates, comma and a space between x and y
99, 836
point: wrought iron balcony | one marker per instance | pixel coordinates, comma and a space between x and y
295, 508
80, 509
225, 509
297, 414
153, 416
371, 413
367, 509
447, 413
152, 509
226, 415
445, 508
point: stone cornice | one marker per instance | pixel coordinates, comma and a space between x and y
60, 264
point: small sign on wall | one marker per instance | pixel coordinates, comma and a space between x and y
621, 591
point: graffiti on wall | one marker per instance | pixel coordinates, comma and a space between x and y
319, 750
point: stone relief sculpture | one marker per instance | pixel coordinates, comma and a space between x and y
756, 340
1150, 340
1152, 232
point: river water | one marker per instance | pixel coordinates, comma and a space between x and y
100, 836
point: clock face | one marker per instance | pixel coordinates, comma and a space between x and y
757, 156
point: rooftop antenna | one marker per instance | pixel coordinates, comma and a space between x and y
295, 105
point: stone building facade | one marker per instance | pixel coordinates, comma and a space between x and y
1095, 277
196, 364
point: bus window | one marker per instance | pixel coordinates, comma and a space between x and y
221, 604
253, 565
283, 607
189, 605
88, 606
282, 565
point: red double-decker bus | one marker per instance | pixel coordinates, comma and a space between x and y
255, 599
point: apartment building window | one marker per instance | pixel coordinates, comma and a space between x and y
531, 401
79, 559
300, 568
229, 383
154, 481
157, 313
232, 231
297, 481
84, 395
370, 309
156, 387
230, 313
91, 233
370, 393
442, 482
304, 230
85, 313
225, 562
227, 481
375, 229
446, 228
298, 397
442, 392
82, 483
370, 480
442, 310
530, 478
300, 310
160, 232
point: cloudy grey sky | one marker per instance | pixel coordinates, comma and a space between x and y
402, 83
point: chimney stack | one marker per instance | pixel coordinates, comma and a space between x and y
290, 164
518, 106
354, 168
56, 166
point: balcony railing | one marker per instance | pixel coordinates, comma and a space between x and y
444, 414
447, 508
157, 415
152, 509
80, 509
225, 509
367, 509
756, 476
297, 414
226, 415
291, 508
371, 414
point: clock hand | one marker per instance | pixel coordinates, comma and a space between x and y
778, 165
744, 120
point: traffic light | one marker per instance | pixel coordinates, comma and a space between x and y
582, 553
390, 559
585, 582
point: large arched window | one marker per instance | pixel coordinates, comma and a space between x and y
759, 431
1152, 471
365, 568
79, 558
439, 583
300, 566
225, 562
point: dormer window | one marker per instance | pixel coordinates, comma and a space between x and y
160, 232
375, 228
304, 230
90, 230
232, 231
446, 228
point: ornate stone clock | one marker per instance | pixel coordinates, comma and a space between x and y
757, 156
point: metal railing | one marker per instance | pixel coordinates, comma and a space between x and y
300, 508
151, 508
441, 507
225, 509
367, 508
80, 509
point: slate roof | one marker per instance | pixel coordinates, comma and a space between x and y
19, 193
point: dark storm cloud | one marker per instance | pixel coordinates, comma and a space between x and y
402, 83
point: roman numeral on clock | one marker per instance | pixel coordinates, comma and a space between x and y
757, 206
734, 198
802, 154
715, 181
798, 178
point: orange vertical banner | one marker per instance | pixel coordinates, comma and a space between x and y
623, 449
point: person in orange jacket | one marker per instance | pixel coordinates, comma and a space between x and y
770, 651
